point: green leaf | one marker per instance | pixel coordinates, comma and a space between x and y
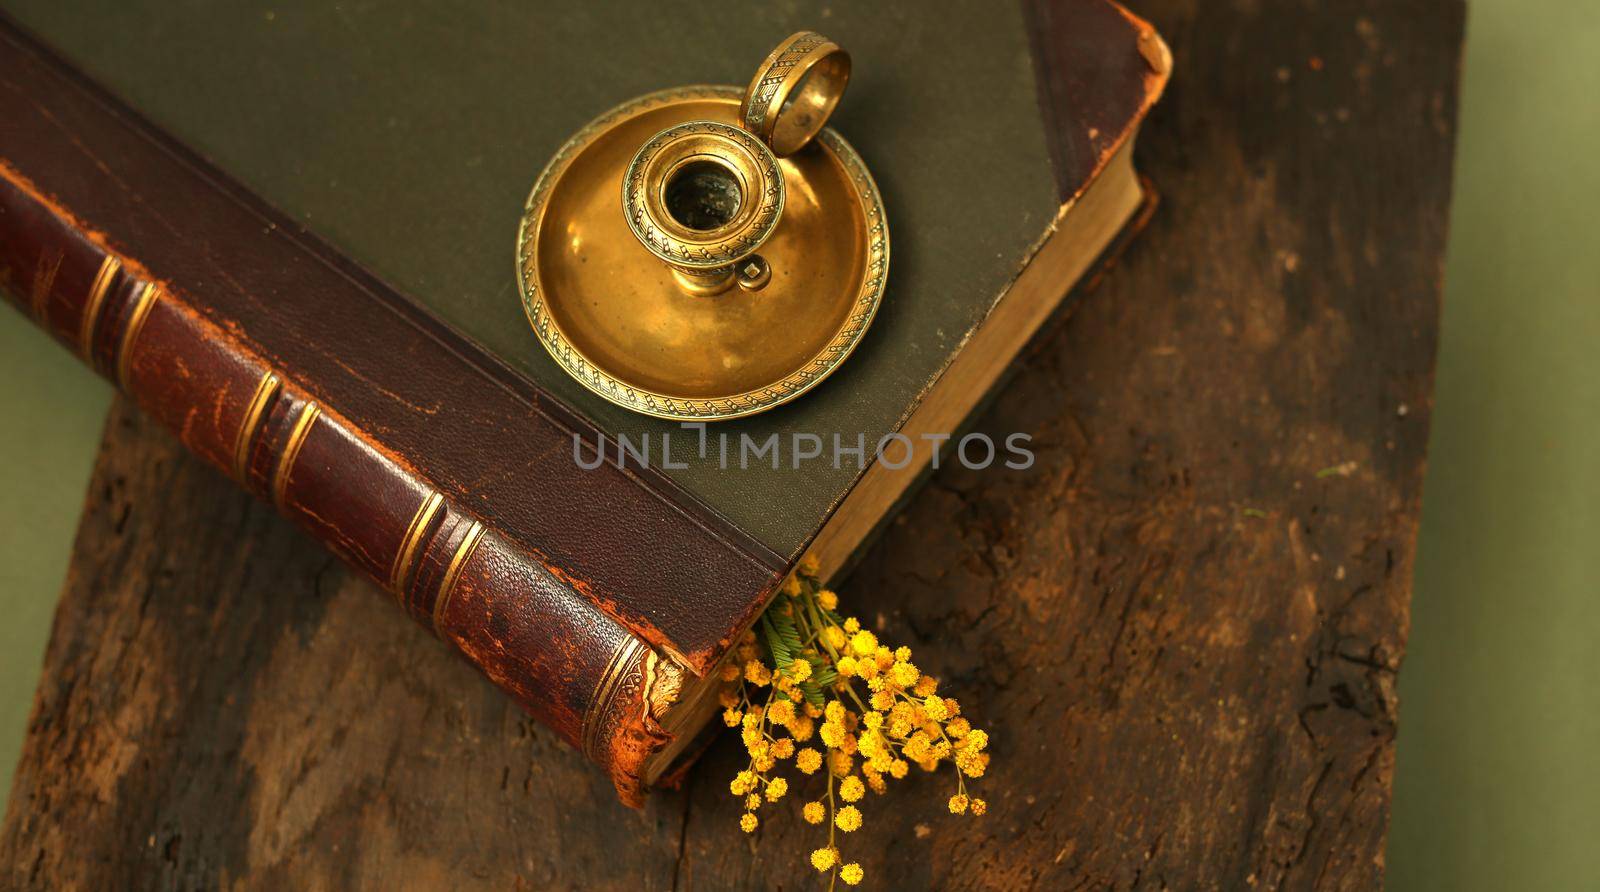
784, 625
812, 692
775, 644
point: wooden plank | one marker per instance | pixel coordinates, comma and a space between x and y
1182, 626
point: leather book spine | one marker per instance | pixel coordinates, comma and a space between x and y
570, 665
567, 663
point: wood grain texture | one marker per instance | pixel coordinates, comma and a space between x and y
1182, 626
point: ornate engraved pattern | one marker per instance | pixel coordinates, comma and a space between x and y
759, 96
686, 409
622, 683
687, 253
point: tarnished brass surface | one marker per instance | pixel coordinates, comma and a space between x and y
616, 317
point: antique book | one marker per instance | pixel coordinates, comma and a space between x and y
286, 230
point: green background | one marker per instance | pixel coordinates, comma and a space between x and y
1497, 784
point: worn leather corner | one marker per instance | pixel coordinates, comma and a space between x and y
632, 725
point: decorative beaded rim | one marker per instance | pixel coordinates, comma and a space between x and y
674, 408
713, 252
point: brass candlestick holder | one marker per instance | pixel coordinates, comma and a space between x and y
703, 196
744, 261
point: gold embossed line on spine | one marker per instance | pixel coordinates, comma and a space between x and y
97, 302
254, 414
616, 669
148, 295
447, 585
291, 450
411, 544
